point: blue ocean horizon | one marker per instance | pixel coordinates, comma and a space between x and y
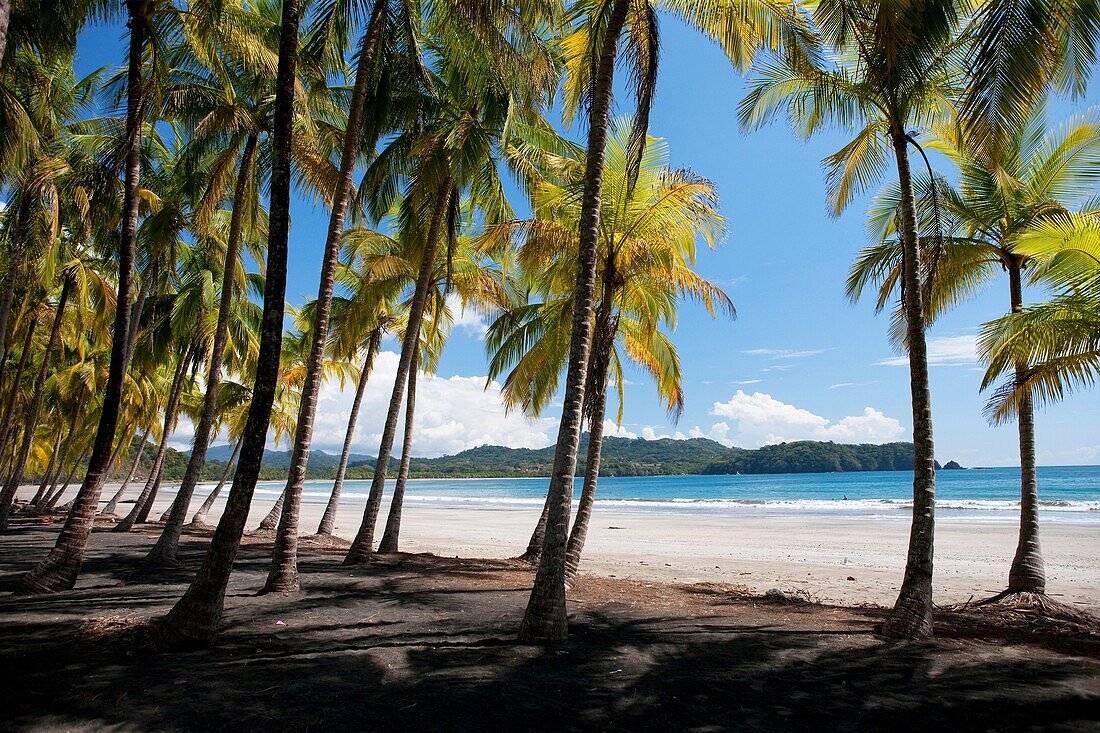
1066, 494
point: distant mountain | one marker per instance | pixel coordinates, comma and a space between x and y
621, 457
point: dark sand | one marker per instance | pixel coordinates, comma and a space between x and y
425, 643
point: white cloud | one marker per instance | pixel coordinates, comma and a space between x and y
784, 353
842, 385
760, 419
452, 414
943, 351
467, 319
610, 429
747, 381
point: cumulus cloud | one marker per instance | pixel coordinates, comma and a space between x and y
753, 420
452, 414
943, 351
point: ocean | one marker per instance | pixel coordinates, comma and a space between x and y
1066, 494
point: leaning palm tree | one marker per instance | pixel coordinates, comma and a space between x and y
196, 616
646, 247
1036, 177
742, 28
61, 567
454, 147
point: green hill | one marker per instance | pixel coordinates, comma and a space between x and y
621, 457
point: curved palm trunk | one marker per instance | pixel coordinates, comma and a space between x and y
60, 568
1027, 574
328, 519
390, 537
33, 408
138, 308
363, 545
112, 505
534, 544
283, 576
9, 403
164, 551
67, 447
49, 470
596, 407
545, 621
65, 486
911, 617
200, 516
140, 511
195, 617
270, 519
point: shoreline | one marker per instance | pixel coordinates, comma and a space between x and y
842, 560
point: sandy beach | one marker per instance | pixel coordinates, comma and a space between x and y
835, 560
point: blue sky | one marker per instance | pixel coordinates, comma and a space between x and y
799, 362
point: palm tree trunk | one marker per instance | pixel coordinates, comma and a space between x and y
363, 545
33, 408
534, 544
140, 511
138, 308
164, 551
8, 420
545, 621
390, 537
5, 17
596, 407
195, 617
61, 567
49, 470
283, 576
271, 519
67, 447
200, 516
1027, 574
56, 496
911, 617
328, 519
112, 505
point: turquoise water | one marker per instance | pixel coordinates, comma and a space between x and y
1067, 493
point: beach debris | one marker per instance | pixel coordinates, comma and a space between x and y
850, 578
280, 623
788, 597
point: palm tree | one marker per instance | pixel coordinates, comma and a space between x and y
476, 285
283, 576
364, 317
893, 68
475, 96
742, 28
1034, 178
1059, 339
60, 568
195, 617
646, 247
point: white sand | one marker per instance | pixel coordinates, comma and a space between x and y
816, 554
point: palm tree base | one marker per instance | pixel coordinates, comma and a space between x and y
282, 580
906, 623
530, 557
162, 557
49, 577
1031, 604
544, 629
